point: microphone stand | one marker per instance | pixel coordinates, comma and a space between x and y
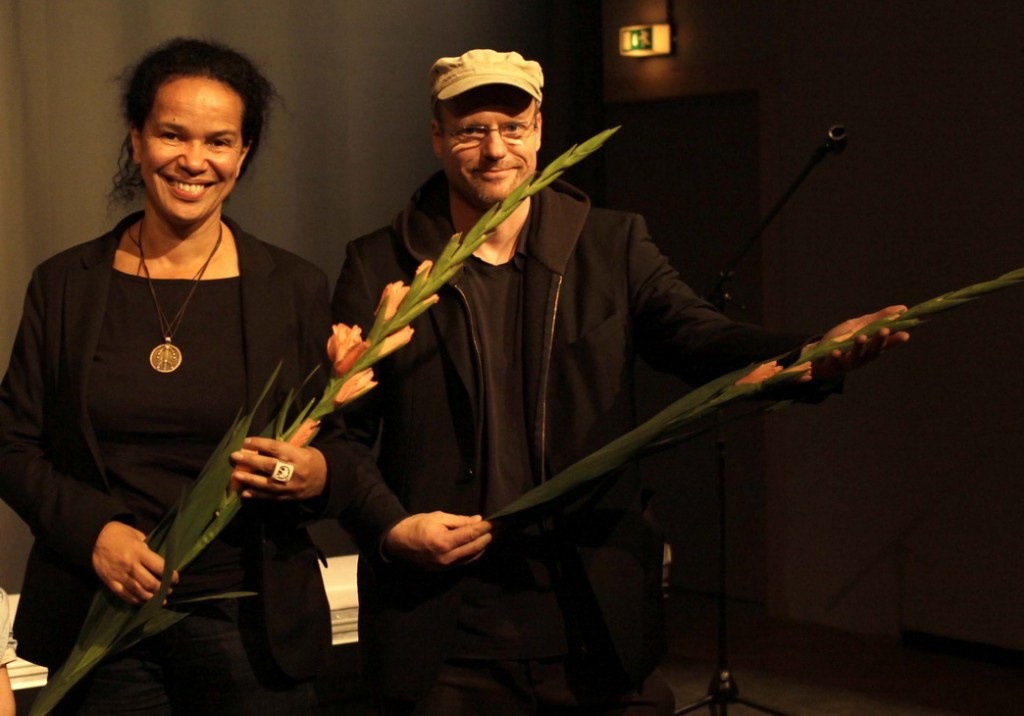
723, 690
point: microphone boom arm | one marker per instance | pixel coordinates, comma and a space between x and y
834, 143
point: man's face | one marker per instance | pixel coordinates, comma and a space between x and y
487, 140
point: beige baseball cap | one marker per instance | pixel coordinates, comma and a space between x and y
451, 76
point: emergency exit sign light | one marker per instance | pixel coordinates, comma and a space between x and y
645, 40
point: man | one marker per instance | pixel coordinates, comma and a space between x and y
523, 367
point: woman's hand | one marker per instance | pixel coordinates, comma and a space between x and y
8, 707
123, 562
302, 471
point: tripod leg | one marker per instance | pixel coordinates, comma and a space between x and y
708, 701
721, 691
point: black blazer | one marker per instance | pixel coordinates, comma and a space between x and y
51, 470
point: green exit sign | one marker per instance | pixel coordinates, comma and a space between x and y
641, 38
645, 40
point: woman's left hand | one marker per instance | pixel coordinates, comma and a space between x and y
267, 469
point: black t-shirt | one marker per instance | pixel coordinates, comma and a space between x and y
156, 430
509, 609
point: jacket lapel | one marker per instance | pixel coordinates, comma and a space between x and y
85, 304
261, 317
425, 227
555, 227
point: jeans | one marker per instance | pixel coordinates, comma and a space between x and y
215, 661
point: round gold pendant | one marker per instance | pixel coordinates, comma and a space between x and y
165, 358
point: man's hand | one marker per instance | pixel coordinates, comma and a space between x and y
864, 349
437, 540
123, 562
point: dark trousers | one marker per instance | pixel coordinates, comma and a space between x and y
469, 687
212, 662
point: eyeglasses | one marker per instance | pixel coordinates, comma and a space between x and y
511, 132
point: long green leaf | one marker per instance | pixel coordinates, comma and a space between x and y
665, 429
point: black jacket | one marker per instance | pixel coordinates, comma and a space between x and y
597, 294
51, 470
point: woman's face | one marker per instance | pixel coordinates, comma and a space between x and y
190, 151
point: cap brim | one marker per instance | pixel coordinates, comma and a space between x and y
479, 80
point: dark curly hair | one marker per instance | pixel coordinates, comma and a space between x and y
187, 57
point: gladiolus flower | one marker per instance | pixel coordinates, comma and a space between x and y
419, 308
760, 373
395, 341
355, 386
305, 433
345, 346
804, 369
422, 273
391, 298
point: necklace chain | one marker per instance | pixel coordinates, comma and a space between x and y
166, 357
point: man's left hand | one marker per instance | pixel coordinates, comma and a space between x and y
864, 349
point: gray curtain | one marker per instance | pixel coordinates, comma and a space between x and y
346, 146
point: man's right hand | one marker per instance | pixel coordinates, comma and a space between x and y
123, 562
437, 540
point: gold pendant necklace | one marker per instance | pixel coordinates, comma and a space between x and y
166, 357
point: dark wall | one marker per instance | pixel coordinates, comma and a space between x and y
690, 166
897, 505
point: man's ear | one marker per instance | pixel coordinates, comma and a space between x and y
437, 138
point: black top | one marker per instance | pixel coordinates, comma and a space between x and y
156, 430
494, 294
509, 605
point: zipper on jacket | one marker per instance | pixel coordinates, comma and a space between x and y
545, 372
478, 373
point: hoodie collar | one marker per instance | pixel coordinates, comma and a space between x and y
557, 215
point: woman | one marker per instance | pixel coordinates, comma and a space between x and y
135, 352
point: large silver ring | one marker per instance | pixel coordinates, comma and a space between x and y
282, 472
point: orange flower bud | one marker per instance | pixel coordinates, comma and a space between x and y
391, 298
345, 346
395, 341
305, 432
760, 373
357, 385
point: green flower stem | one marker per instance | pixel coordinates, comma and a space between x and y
664, 430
